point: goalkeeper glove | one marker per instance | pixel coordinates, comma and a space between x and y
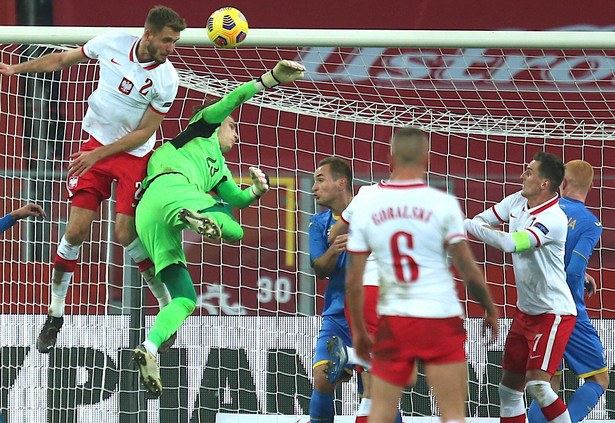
284, 71
260, 182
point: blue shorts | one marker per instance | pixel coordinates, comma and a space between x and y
584, 353
332, 325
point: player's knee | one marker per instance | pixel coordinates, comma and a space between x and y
76, 234
601, 379
125, 235
321, 382
508, 395
540, 390
187, 303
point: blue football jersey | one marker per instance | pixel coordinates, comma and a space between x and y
320, 225
584, 230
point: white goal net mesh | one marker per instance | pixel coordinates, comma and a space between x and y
248, 346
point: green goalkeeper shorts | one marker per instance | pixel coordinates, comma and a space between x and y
156, 219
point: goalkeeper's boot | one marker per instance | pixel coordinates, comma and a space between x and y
200, 224
49, 334
148, 369
339, 359
166, 345
223, 216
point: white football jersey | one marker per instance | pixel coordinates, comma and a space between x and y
539, 272
126, 88
407, 227
370, 275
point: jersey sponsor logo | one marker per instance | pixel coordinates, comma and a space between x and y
125, 86
115, 63
542, 227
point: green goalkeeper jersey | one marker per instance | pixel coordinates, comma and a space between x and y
195, 152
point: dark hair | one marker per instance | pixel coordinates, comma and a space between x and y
339, 169
161, 16
551, 168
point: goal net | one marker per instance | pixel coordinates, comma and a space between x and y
246, 352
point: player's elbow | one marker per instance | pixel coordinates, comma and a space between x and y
574, 275
507, 244
320, 274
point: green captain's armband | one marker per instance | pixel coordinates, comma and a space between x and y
522, 241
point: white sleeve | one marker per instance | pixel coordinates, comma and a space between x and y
496, 238
498, 213
166, 91
357, 241
96, 45
543, 231
452, 223
346, 215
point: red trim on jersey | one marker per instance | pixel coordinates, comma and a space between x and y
157, 111
135, 58
344, 220
447, 240
383, 184
497, 215
358, 252
152, 66
132, 55
535, 236
83, 52
546, 205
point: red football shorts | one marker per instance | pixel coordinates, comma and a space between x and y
401, 340
370, 304
89, 190
370, 295
537, 342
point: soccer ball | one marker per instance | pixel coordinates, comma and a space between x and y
227, 27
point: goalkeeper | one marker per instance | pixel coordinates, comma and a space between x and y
180, 175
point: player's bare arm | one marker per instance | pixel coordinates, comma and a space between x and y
49, 63
463, 260
82, 161
30, 210
590, 285
361, 340
324, 265
340, 228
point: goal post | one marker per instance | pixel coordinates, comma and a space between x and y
488, 100
284, 37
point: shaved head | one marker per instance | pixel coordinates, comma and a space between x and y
409, 146
579, 174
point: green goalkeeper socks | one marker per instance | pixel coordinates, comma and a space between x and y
231, 230
170, 318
